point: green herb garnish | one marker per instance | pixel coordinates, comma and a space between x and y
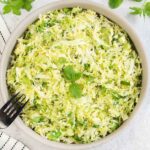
15, 6
75, 90
71, 74
115, 3
142, 11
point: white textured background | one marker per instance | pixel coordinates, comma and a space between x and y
137, 135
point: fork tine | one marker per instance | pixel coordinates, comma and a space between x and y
18, 111
17, 100
14, 106
23, 98
8, 103
9, 107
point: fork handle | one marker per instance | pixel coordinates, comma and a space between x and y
2, 125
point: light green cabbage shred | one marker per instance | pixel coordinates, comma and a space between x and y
96, 47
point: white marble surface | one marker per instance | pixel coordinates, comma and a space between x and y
137, 135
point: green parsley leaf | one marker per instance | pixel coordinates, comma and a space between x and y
15, 6
27, 4
6, 9
75, 90
115, 3
146, 10
12, 6
16, 11
71, 74
136, 11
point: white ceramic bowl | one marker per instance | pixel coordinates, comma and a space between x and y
57, 5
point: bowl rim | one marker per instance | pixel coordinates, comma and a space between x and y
101, 9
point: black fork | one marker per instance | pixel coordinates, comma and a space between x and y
12, 109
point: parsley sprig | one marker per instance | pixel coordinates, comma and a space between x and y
143, 10
15, 6
71, 75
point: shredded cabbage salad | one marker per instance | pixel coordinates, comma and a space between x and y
80, 72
